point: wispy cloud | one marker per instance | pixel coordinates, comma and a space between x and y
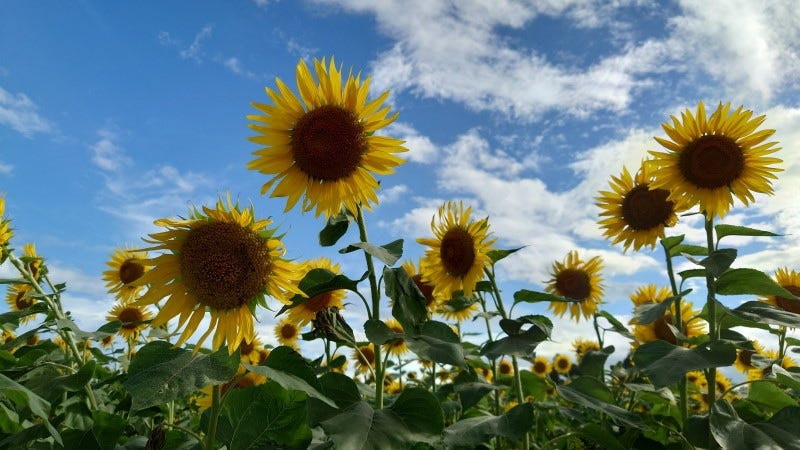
234, 65
21, 114
195, 50
106, 154
5, 168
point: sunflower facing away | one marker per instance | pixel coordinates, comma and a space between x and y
131, 317
307, 311
125, 268
33, 261
19, 297
223, 261
578, 280
323, 143
635, 214
712, 159
457, 255
789, 280
693, 325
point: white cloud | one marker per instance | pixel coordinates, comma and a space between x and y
5, 169
21, 114
420, 148
392, 194
195, 50
106, 154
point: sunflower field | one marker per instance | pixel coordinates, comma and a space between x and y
179, 365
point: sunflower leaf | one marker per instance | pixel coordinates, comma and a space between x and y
718, 261
527, 296
593, 394
388, 254
334, 229
665, 363
521, 344
13, 317
379, 333
437, 342
288, 368
616, 325
685, 249
408, 302
733, 433
497, 255
671, 241
473, 431
750, 281
593, 362
650, 312
765, 313
769, 397
692, 273
723, 230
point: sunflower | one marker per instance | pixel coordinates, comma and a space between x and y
107, 341
249, 350
131, 317
693, 325
744, 357
711, 160
562, 363
287, 333
541, 366
323, 144
220, 260
396, 346
34, 339
19, 297
126, 267
5, 227
364, 356
240, 381
457, 309
505, 368
425, 288
789, 280
635, 214
771, 354
32, 261
458, 255
577, 280
487, 373
583, 346
306, 311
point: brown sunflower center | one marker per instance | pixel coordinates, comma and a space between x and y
130, 271
224, 265
129, 316
746, 357
366, 356
22, 300
247, 347
562, 364
318, 302
539, 367
711, 161
789, 304
643, 209
574, 284
505, 368
328, 143
288, 331
663, 331
425, 288
457, 251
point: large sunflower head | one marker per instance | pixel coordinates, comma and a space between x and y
577, 280
693, 325
131, 317
19, 297
223, 261
323, 144
306, 311
712, 159
458, 253
789, 280
125, 268
635, 214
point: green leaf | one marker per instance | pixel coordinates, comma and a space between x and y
388, 254
718, 261
379, 333
787, 419
593, 388
474, 431
723, 230
671, 241
22, 397
13, 317
497, 255
334, 229
749, 281
769, 396
288, 368
264, 416
107, 428
733, 433
593, 362
786, 378
415, 416
765, 313
601, 436
592, 394
338, 387
318, 281
533, 385
75, 382
521, 344
9, 420
692, 273
160, 373
697, 430
524, 295
437, 342
685, 249
650, 312
616, 325
408, 303
665, 363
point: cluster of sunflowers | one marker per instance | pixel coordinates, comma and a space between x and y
416, 381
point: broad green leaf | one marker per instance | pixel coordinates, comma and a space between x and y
408, 303
697, 430
288, 368
13, 317
23, 397
692, 273
318, 281
599, 435
80, 439
474, 431
388, 254
379, 333
670, 242
787, 419
264, 416
593, 362
590, 400
723, 230
107, 428
616, 325
761, 312
718, 261
290, 382
685, 249
334, 229
75, 382
650, 312
665, 363
593, 388
524, 295
470, 389
533, 385
338, 387
437, 342
497, 255
415, 416
749, 281
9, 420
769, 396
160, 373
786, 378
732, 433
521, 344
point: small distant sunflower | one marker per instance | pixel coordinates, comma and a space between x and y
19, 297
456, 309
396, 347
7, 336
364, 357
5, 226
307, 311
744, 357
323, 144
578, 280
130, 315
107, 341
712, 159
287, 333
789, 280
505, 368
126, 267
458, 253
249, 350
562, 363
487, 373
425, 288
583, 346
541, 366
221, 260
693, 325
635, 214
697, 378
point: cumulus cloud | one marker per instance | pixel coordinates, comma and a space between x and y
21, 114
106, 154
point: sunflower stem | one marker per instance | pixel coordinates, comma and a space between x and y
683, 393
376, 308
711, 303
211, 436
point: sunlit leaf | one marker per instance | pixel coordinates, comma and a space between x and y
765, 313
616, 325
665, 363
769, 396
733, 433
593, 394
670, 242
388, 253
723, 230
749, 281
437, 342
287, 367
685, 249
497, 255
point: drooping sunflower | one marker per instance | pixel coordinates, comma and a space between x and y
789, 280
541, 366
323, 144
19, 297
287, 332
744, 357
458, 253
712, 159
562, 363
583, 346
5, 227
635, 214
125, 268
307, 311
396, 347
223, 261
578, 280
131, 317
693, 325
364, 357
425, 288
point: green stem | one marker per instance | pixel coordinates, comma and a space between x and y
781, 344
494, 360
711, 305
683, 386
376, 309
211, 436
187, 431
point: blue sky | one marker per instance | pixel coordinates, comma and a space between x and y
115, 114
